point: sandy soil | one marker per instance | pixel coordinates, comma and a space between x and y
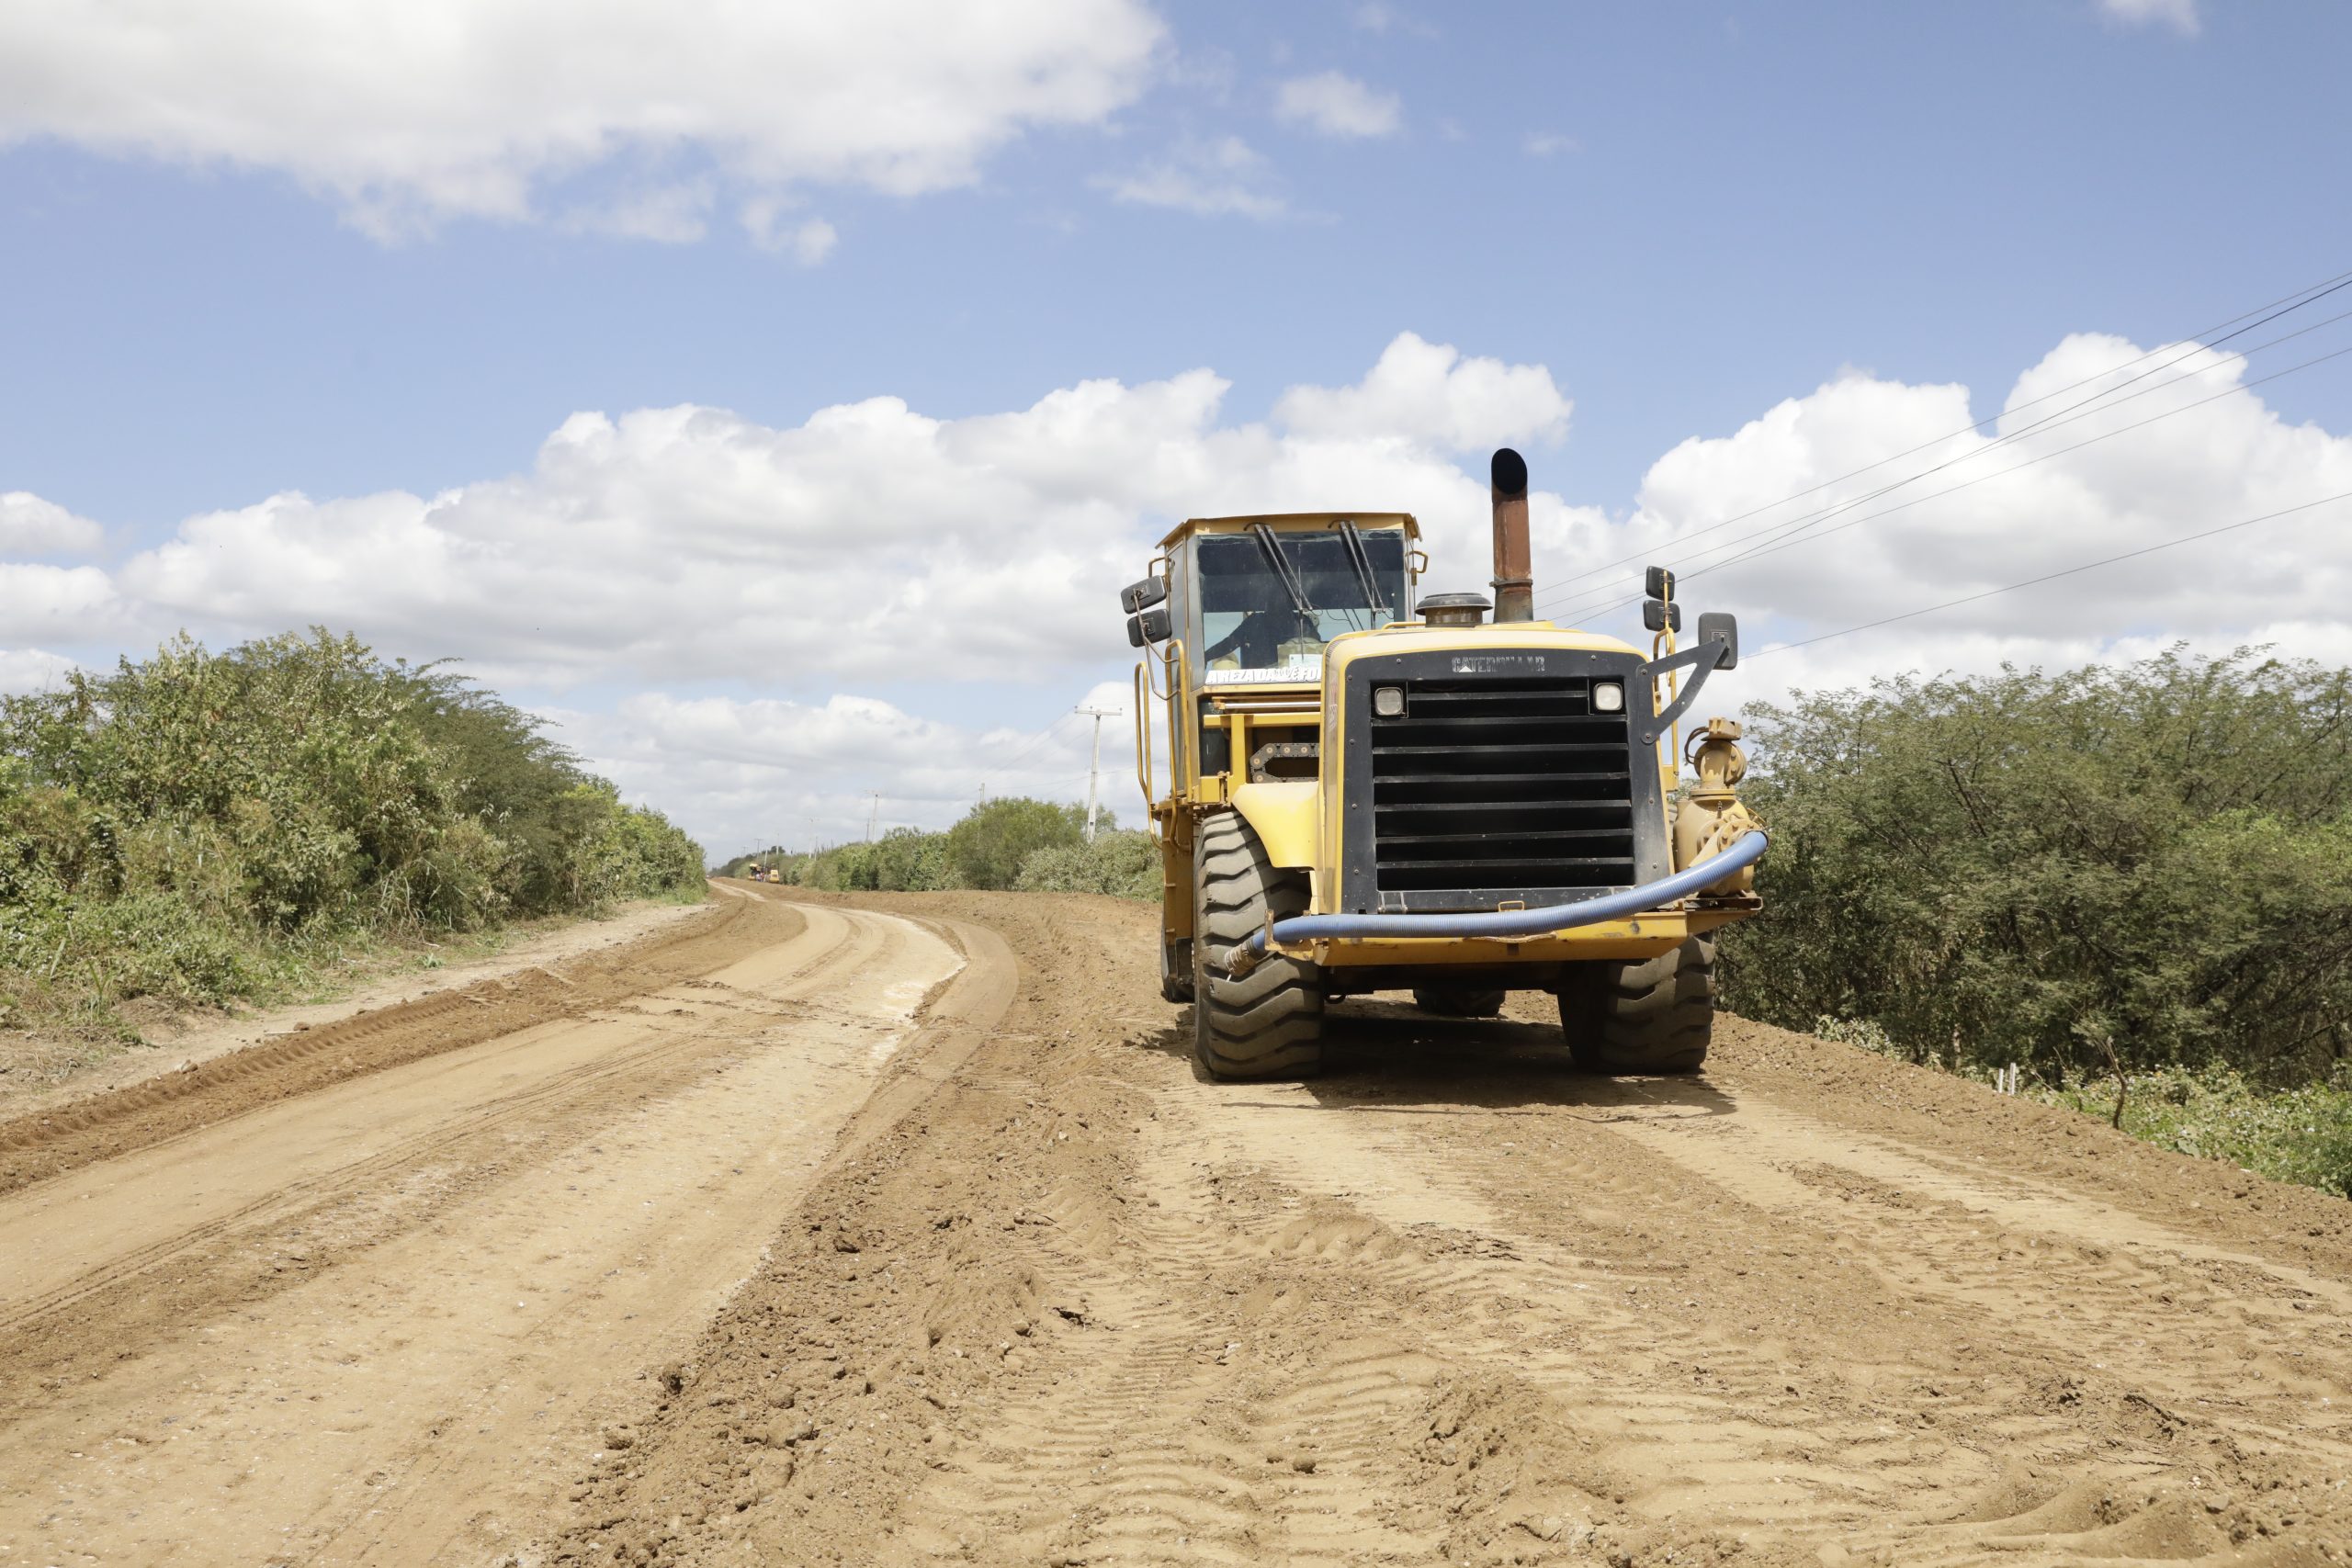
40, 1074
932, 1247
377, 1301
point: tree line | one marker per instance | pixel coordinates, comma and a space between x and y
2153, 859
1010, 844
200, 827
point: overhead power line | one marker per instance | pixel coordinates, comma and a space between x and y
2054, 576
1773, 541
1038, 740
2200, 341
1804, 525
1771, 547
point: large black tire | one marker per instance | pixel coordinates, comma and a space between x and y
1268, 1022
1650, 1015
1457, 1001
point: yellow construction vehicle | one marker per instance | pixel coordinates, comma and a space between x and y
1365, 791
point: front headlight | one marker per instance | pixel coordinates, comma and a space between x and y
1388, 702
1608, 696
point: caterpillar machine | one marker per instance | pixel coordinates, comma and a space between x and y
1372, 791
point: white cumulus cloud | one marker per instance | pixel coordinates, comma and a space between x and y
1335, 104
30, 525
674, 213
870, 540
409, 114
768, 221
24, 669
1429, 392
2100, 449
57, 603
764, 771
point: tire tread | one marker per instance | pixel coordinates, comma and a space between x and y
1268, 1022
1650, 1015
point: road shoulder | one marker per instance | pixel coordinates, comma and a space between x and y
175, 1046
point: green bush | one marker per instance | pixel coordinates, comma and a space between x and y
908, 860
2300, 1135
159, 944
610, 852
905, 860
190, 826
993, 842
2157, 854
1124, 865
1011, 843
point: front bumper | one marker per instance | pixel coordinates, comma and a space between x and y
1633, 908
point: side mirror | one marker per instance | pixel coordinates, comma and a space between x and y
1720, 626
1657, 617
1151, 626
1143, 595
1659, 583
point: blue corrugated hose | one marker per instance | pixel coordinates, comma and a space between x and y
1509, 924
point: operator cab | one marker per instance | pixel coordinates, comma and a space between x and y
1260, 597
1250, 604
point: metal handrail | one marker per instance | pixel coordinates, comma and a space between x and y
1172, 659
1143, 738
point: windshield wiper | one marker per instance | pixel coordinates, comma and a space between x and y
1359, 557
1280, 562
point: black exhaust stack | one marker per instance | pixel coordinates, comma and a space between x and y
1514, 580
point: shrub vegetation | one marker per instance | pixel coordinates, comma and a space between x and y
2288, 1134
199, 827
1034, 846
1124, 865
2035, 868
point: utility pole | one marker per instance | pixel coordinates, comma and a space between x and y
1095, 769
873, 815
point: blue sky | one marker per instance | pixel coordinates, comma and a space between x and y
1684, 214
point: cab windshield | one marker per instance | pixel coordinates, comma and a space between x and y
1269, 600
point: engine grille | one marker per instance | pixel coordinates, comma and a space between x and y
1501, 782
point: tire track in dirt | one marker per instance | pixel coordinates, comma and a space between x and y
391, 1350
1172, 1436
2072, 1275
1556, 1323
219, 1258
45, 1143
1452, 1304
2091, 1395
2186, 1346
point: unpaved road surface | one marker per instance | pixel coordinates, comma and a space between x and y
898, 1230
372, 1295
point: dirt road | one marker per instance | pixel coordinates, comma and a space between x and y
931, 1248
370, 1296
